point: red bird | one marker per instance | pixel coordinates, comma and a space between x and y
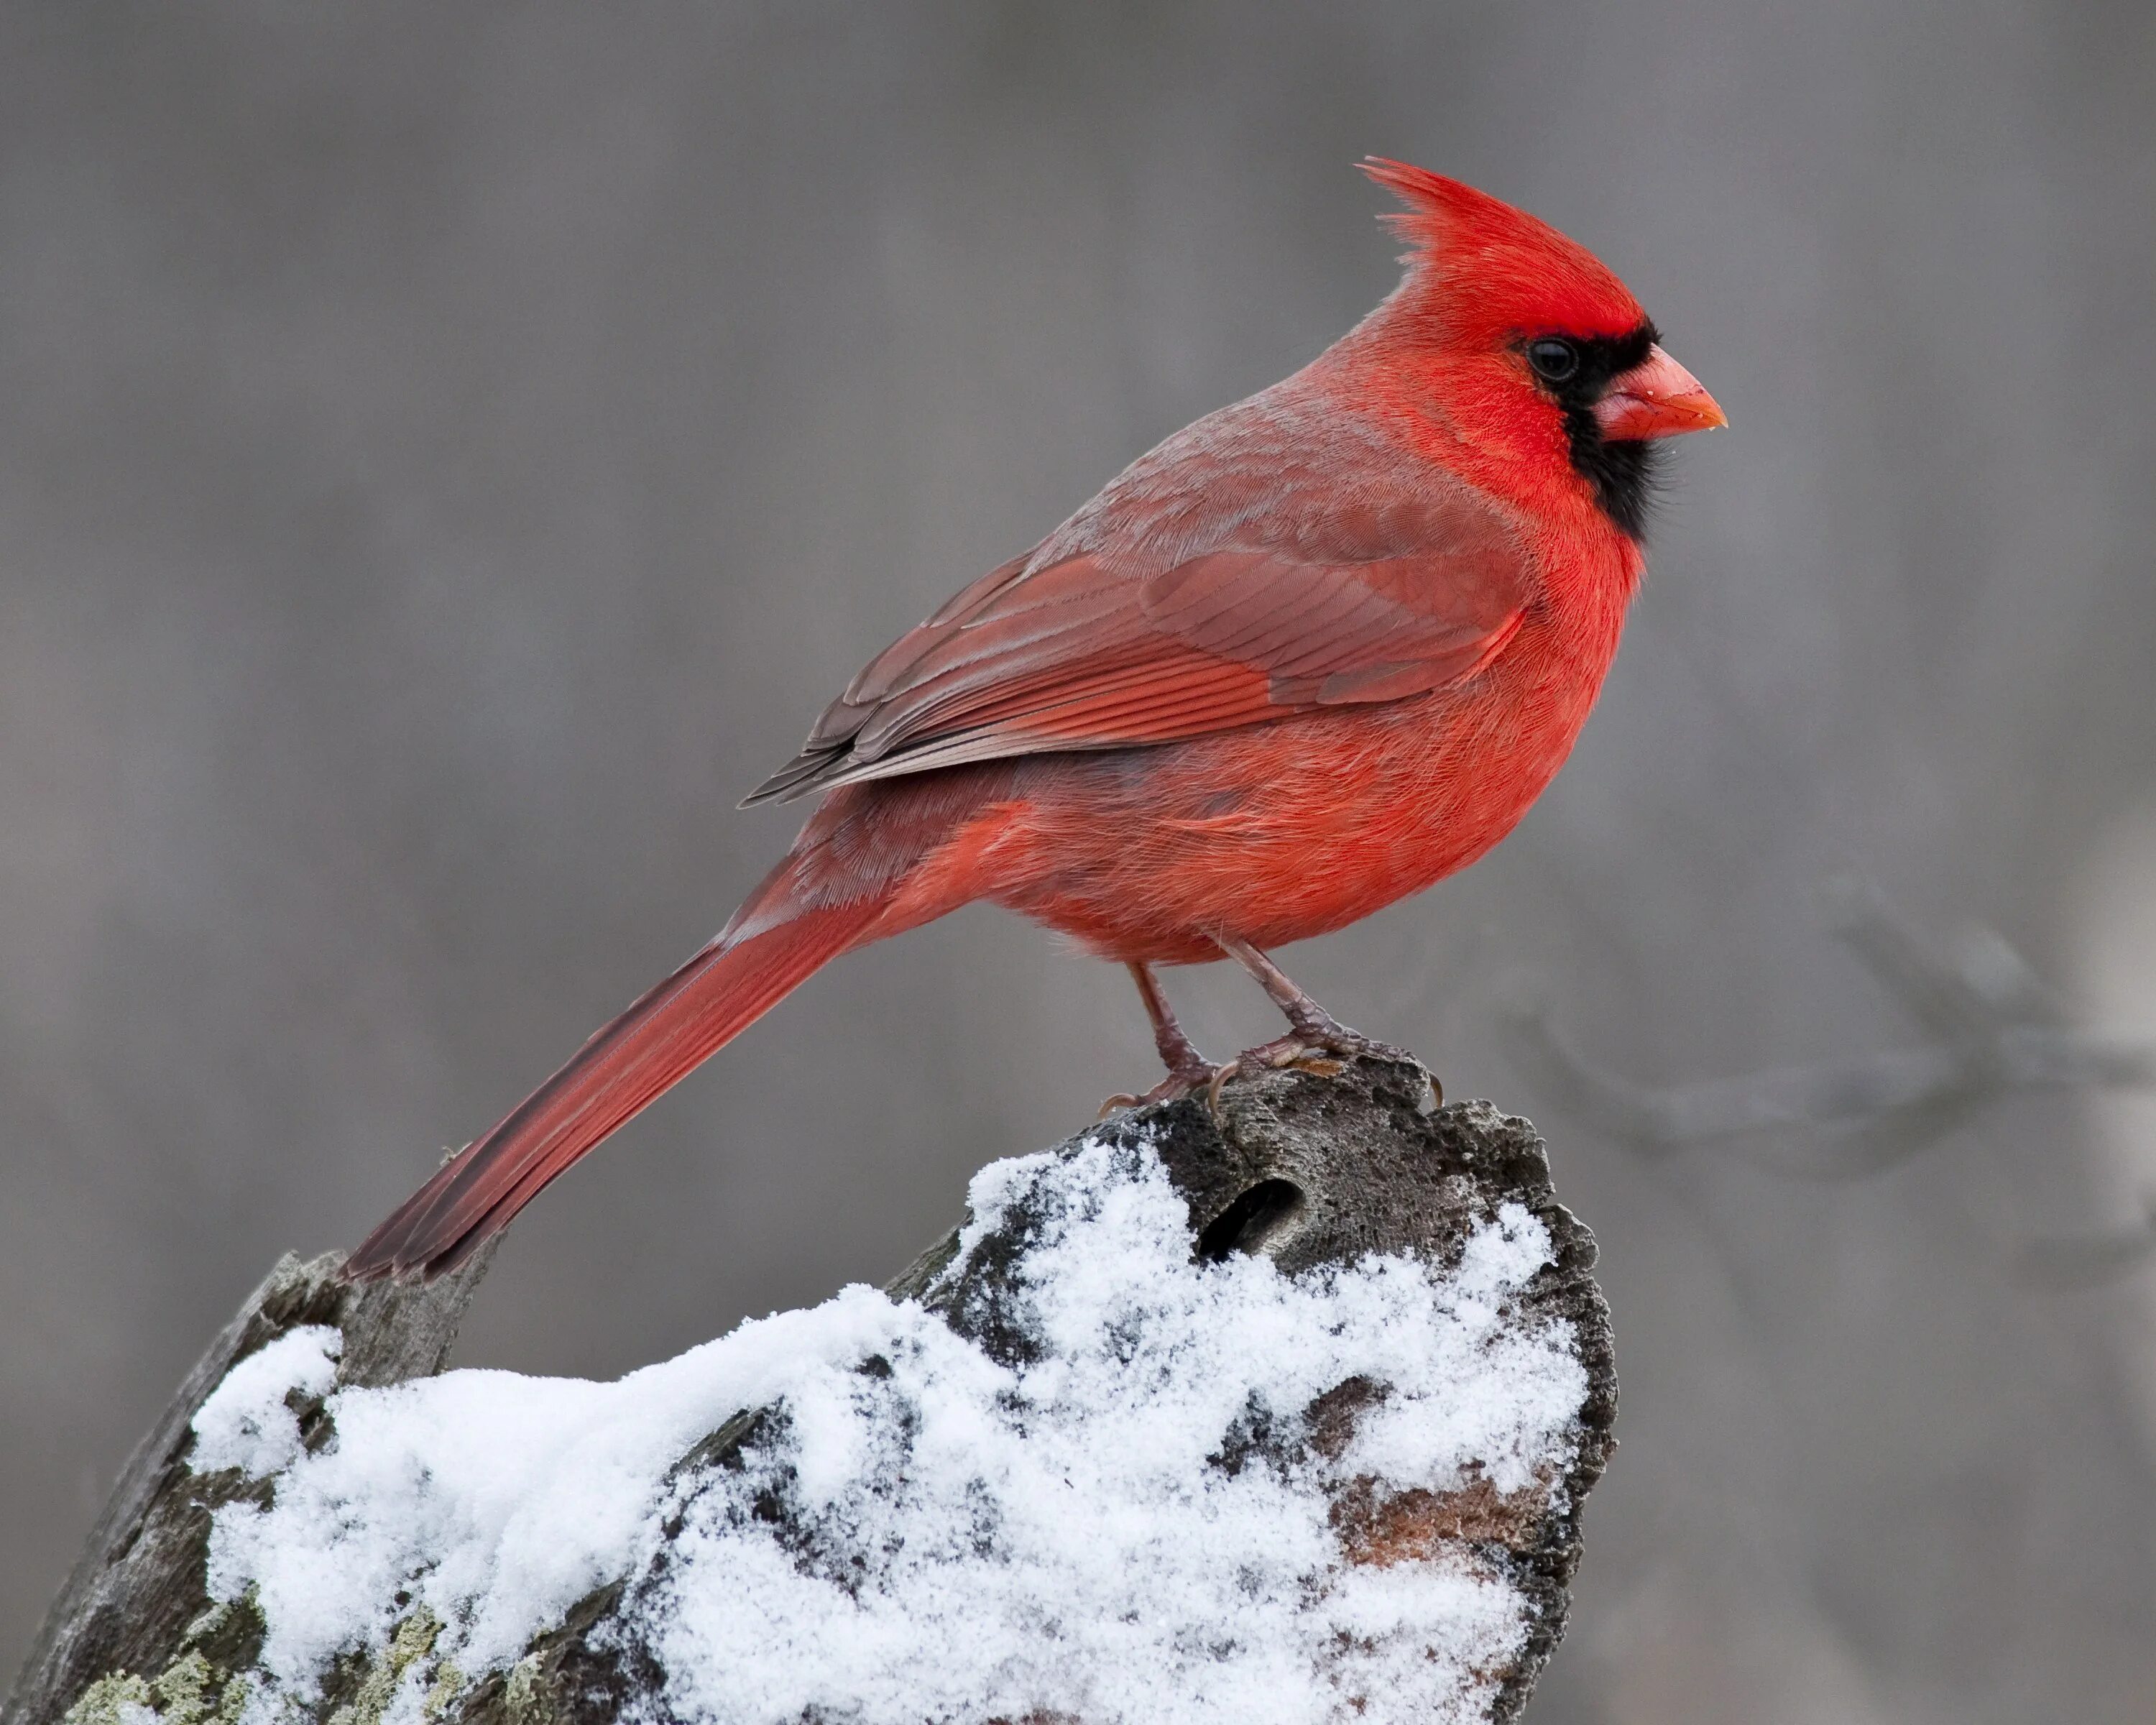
1312, 654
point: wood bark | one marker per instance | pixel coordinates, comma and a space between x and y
138, 1602
1308, 1169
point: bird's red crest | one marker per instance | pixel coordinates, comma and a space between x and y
1491, 267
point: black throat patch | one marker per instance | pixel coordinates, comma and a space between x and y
1624, 474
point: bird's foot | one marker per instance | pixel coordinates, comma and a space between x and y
1186, 1078
1318, 1044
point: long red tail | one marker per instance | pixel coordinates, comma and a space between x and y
624, 1067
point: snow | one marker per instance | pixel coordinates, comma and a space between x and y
246, 1424
923, 1531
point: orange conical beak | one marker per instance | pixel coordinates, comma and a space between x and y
1657, 398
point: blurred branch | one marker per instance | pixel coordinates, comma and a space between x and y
1991, 1028
2091, 1260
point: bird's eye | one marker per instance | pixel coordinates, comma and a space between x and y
1554, 358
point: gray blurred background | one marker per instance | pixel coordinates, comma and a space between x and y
449, 454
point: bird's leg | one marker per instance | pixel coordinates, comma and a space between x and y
1313, 1035
1187, 1070
1178, 1053
1310, 1020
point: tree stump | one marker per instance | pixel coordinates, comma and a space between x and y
1356, 1189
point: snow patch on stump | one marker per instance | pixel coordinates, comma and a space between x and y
1158, 1487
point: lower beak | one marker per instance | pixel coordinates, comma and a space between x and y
1657, 398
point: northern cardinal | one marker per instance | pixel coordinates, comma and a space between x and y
1312, 654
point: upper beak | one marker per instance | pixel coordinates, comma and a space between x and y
1657, 398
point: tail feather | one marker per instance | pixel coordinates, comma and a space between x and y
622, 1069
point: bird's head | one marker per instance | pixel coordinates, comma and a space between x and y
1526, 341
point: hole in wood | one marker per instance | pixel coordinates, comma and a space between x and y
1252, 1219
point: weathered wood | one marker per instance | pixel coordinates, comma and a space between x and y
136, 1602
1308, 1170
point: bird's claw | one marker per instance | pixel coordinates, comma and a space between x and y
1322, 1049
1328, 1036
1208, 1078
1182, 1081
1221, 1075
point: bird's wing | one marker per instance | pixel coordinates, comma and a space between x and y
1312, 600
